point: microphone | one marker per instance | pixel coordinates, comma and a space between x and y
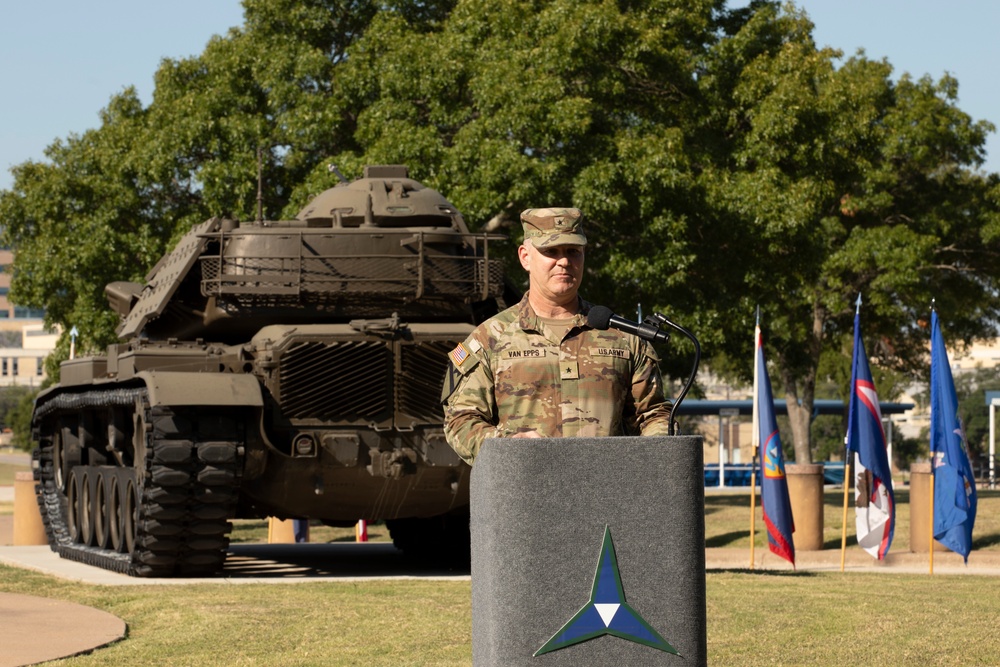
601, 317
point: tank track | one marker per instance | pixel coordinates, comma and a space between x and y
186, 488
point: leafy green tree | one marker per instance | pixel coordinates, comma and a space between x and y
517, 104
80, 221
9, 398
725, 162
107, 203
836, 181
970, 388
16, 405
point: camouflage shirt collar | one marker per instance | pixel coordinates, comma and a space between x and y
528, 318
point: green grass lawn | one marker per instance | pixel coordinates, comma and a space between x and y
760, 618
320, 623
851, 619
7, 472
754, 618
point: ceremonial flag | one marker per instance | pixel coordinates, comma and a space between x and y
774, 501
954, 486
875, 506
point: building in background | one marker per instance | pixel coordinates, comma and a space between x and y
11, 316
24, 341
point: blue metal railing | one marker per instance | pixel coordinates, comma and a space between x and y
738, 474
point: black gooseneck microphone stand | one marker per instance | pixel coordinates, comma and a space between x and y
656, 319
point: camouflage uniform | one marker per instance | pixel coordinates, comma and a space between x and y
513, 375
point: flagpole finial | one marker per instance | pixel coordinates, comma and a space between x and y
858, 304
758, 314
933, 305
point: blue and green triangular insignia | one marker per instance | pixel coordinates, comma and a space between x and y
606, 613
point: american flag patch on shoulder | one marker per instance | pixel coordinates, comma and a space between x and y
459, 354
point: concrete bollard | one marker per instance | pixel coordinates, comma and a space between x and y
920, 509
28, 527
805, 491
280, 531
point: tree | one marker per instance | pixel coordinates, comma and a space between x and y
970, 388
726, 161
16, 405
835, 182
108, 202
81, 221
722, 159
592, 110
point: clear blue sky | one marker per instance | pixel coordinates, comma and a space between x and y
63, 60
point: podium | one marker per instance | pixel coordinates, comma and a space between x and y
588, 551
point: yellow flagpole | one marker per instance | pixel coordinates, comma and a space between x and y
753, 505
843, 526
930, 527
848, 455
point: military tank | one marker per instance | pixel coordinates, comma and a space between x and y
286, 368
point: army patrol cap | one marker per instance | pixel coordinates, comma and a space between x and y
553, 226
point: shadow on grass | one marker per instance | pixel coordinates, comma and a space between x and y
835, 499
719, 503
729, 500
764, 573
726, 539
985, 541
852, 541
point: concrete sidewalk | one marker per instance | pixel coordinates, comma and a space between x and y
349, 561
38, 629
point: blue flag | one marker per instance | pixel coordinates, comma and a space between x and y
774, 500
875, 505
954, 485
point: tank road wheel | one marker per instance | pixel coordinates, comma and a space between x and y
157, 508
101, 510
73, 506
68, 455
59, 476
115, 515
130, 515
86, 507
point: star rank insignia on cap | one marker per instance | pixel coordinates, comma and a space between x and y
606, 613
459, 354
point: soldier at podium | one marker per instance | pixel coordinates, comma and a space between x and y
537, 370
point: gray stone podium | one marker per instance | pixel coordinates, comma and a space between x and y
589, 551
